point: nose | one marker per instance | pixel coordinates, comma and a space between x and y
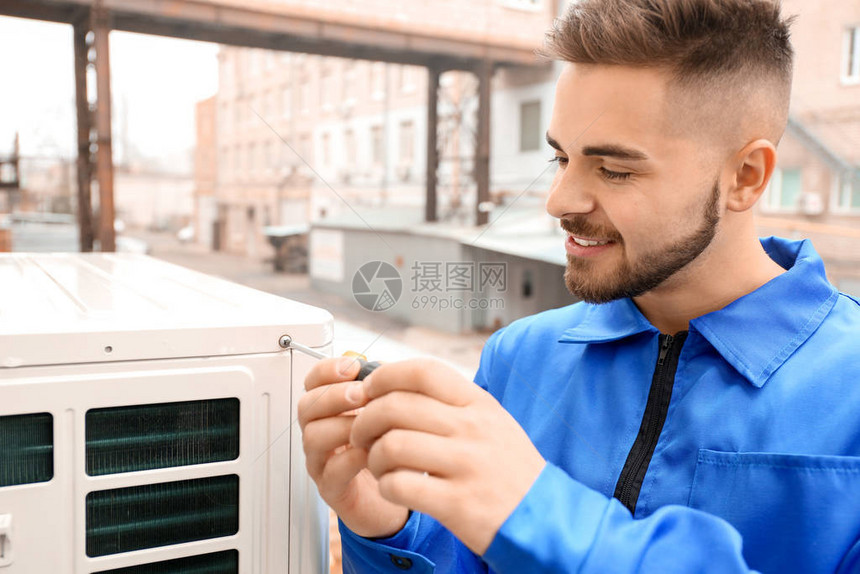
568, 196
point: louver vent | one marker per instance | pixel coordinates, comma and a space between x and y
152, 515
26, 448
144, 437
226, 562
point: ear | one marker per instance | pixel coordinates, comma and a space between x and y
754, 164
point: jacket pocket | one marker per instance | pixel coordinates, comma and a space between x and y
796, 513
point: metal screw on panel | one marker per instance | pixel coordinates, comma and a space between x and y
285, 341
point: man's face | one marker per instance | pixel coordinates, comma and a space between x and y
639, 203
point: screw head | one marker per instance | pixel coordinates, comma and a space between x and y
285, 341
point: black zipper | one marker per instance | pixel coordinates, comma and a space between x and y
630, 481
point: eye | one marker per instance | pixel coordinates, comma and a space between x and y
615, 175
559, 160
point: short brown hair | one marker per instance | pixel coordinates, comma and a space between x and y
696, 40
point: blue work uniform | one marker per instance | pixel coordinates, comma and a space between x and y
731, 447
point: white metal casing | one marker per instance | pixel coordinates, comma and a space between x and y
84, 331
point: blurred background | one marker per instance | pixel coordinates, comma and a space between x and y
287, 144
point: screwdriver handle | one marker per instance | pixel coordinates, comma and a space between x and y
367, 367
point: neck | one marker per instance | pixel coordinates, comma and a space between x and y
734, 265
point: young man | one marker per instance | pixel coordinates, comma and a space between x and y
698, 412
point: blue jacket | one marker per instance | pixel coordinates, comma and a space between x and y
737, 446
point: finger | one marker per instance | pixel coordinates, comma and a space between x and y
425, 376
422, 492
402, 410
406, 449
343, 467
328, 371
321, 437
329, 400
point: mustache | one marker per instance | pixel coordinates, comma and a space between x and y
581, 227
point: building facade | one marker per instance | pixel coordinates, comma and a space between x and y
309, 139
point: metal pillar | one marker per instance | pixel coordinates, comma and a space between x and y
84, 164
104, 155
484, 72
432, 143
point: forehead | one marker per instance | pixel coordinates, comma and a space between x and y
599, 104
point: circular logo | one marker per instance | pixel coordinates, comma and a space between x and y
377, 286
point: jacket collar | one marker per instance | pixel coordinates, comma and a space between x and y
608, 322
756, 333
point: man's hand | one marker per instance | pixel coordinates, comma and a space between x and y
441, 445
339, 470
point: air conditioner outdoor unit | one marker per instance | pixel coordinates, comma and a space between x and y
148, 421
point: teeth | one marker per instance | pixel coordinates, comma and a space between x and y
587, 243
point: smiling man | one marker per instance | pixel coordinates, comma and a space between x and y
697, 412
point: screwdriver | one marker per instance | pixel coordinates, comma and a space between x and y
367, 367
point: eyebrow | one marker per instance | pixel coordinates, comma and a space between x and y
607, 150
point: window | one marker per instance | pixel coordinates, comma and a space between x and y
407, 141
254, 65
851, 56
327, 87
305, 147
349, 144
273, 106
253, 159
530, 126
848, 192
376, 144
377, 80
243, 162
348, 87
286, 101
528, 284
784, 190
305, 95
407, 79
325, 149
270, 155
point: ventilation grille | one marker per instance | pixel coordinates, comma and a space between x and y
152, 515
226, 562
26, 449
145, 437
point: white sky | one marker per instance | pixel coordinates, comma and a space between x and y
160, 79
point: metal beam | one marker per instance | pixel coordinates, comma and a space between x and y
432, 143
482, 155
296, 29
104, 155
84, 165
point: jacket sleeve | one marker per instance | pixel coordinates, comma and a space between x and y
422, 546
560, 526
563, 526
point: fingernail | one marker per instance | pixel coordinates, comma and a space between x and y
355, 393
345, 365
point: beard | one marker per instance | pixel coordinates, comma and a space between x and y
631, 279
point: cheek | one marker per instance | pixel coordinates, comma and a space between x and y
644, 225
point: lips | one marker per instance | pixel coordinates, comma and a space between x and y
588, 242
581, 247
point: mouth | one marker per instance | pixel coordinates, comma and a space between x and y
584, 242
586, 246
